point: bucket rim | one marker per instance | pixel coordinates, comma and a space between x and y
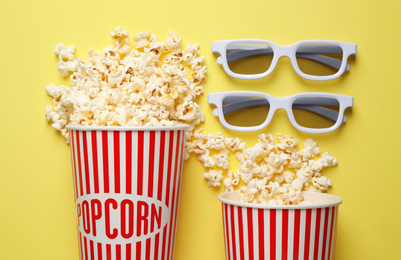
332, 201
127, 128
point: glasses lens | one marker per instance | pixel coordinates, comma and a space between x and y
243, 58
245, 111
319, 59
316, 112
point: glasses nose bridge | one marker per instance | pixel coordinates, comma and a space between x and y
279, 103
284, 51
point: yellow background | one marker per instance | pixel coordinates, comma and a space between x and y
37, 218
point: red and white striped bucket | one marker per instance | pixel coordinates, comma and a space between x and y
255, 231
127, 188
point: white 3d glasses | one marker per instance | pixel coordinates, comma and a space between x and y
308, 112
313, 59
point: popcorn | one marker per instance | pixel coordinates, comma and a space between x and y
214, 177
231, 181
222, 159
122, 86
272, 173
67, 62
216, 142
141, 39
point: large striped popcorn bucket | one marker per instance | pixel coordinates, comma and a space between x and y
127, 188
296, 232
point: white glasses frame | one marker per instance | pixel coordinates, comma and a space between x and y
289, 51
275, 103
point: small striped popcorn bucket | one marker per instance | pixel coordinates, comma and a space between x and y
127, 187
296, 232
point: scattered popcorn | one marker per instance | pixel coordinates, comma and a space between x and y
122, 86
272, 173
231, 181
222, 159
214, 177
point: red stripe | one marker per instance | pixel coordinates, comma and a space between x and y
99, 251
116, 140
261, 228
92, 249
79, 165
151, 163
161, 164
317, 233
105, 162
128, 252
178, 188
95, 161
170, 159
80, 245
284, 248
160, 183
138, 250
335, 232
128, 160
140, 163
170, 154
118, 252
326, 223
307, 232
250, 233
175, 179
148, 248
297, 225
227, 241
157, 239
87, 180
272, 234
331, 232
74, 170
108, 251
86, 247
164, 242
234, 247
241, 234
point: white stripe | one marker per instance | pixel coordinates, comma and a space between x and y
123, 164
134, 164
146, 143
229, 233
100, 160
321, 233
145, 180
330, 211
110, 154
75, 169
90, 161
123, 252
236, 230
279, 233
82, 161
225, 228
155, 185
266, 220
302, 232
334, 232
245, 232
291, 232
255, 233
312, 234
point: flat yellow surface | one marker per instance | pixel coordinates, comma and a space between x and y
37, 218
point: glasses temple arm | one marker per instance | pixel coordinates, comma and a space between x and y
235, 104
